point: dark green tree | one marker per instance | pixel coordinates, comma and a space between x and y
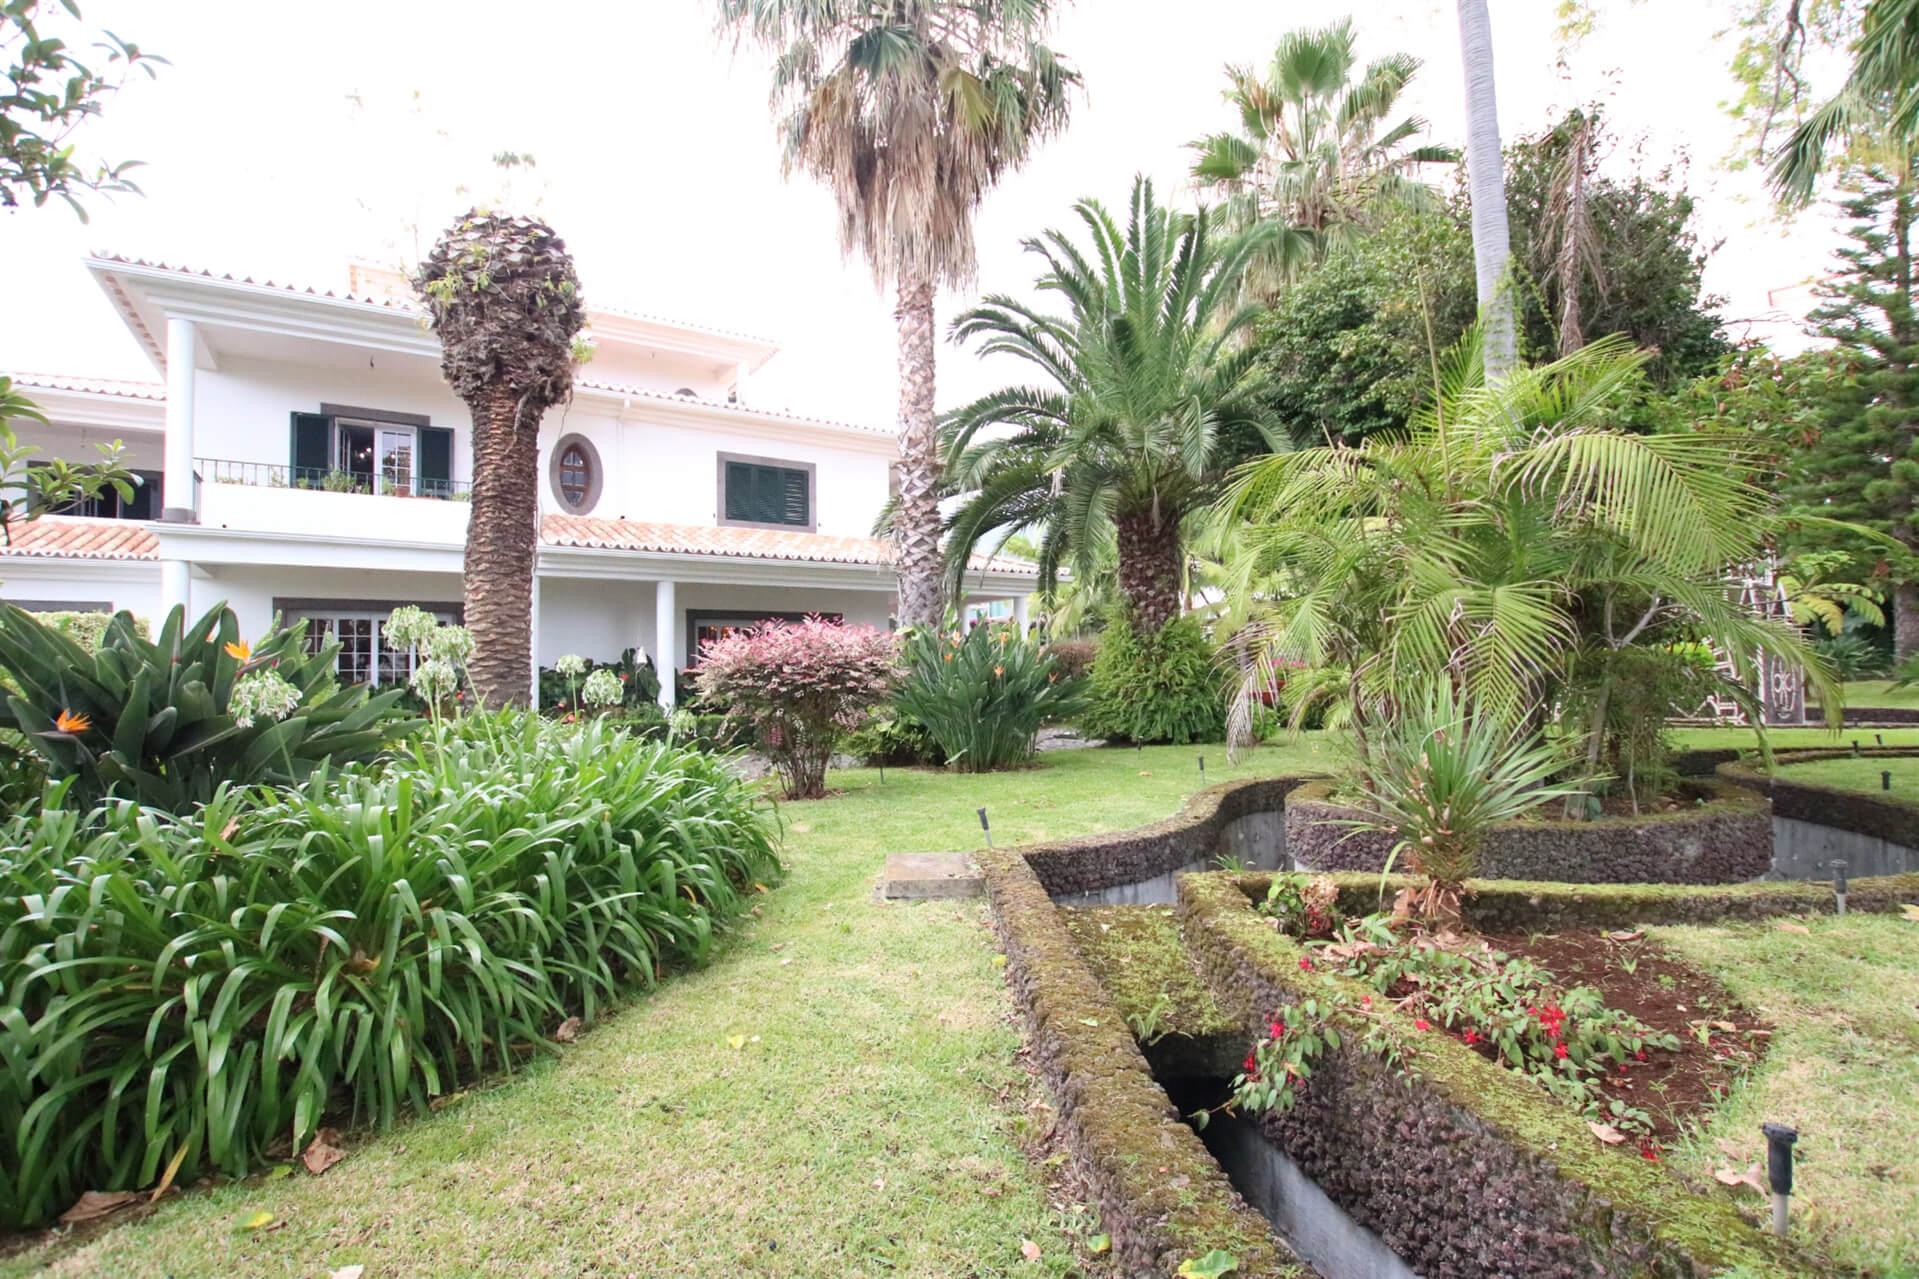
1861, 462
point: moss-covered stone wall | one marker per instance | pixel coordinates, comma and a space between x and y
1162, 1198
1725, 840
1093, 862
1465, 1169
1885, 816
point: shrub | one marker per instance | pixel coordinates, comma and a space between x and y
890, 740
207, 987
983, 695
1851, 655
168, 722
1158, 688
560, 690
799, 686
1074, 657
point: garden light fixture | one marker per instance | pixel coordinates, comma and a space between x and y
1839, 883
983, 826
1885, 779
1779, 1139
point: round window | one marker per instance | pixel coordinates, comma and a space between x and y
576, 474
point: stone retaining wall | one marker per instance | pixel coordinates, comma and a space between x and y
1726, 840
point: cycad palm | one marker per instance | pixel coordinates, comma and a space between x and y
1507, 540
909, 110
1144, 376
1315, 152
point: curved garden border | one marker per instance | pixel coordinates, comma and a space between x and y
1161, 1194
1724, 841
1886, 817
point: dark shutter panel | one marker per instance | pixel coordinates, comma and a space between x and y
312, 433
145, 504
436, 461
794, 509
739, 491
766, 493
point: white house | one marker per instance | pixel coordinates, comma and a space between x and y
302, 456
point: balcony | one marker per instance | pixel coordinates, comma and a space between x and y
261, 497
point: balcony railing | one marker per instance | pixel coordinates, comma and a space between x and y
215, 470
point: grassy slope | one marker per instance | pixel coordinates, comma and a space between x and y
1792, 738
1879, 692
1844, 1070
871, 1128
1859, 774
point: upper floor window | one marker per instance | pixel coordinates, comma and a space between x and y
759, 492
576, 474
369, 451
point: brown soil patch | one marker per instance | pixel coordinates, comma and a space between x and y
1719, 1040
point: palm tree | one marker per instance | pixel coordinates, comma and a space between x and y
910, 110
504, 299
1145, 375
1512, 544
1486, 187
1315, 151
1878, 104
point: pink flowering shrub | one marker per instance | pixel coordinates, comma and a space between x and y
800, 685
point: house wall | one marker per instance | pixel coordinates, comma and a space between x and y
134, 587
140, 450
250, 590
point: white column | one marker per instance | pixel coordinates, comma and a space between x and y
533, 637
181, 505
666, 640
1019, 614
175, 589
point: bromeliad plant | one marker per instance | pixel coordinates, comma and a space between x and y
192, 991
168, 721
800, 686
983, 694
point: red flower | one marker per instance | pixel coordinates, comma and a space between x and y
1551, 1020
1422, 1024
1305, 963
1559, 1051
1471, 1037
1641, 1054
1366, 1001
1649, 1150
1277, 1029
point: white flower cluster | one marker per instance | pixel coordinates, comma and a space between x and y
602, 688
684, 723
435, 680
263, 694
570, 664
451, 644
409, 627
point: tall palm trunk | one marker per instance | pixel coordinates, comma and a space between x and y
501, 542
1486, 185
1149, 569
916, 519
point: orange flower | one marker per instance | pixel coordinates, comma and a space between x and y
239, 651
999, 670
68, 722
949, 657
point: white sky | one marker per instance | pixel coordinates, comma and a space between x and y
657, 160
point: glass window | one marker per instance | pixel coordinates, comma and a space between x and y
763, 493
364, 655
576, 475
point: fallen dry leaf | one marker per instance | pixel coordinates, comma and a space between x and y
1624, 935
569, 1031
1732, 1149
98, 1203
257, 1220
166, 1178
1750, 1177
1787, 926
346, 1272
1607, 1133
321, 1153
1029, 1250
1910, 912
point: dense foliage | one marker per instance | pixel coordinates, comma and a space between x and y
799, 687
639, 678
1165, 686
191, 991
983, 695
169, 721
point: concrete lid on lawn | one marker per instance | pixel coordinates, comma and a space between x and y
930, 876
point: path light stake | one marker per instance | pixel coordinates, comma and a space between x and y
1880, 738
1839, 883
1885, 779
983, 826
1855, 748
1202, 770
1779, 1139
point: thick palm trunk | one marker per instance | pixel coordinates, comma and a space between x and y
501, 542
1149, 569
1905, 621
916, 519
1486, 184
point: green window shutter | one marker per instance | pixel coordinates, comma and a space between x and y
435, 477
793, 507
739, 491
312, 436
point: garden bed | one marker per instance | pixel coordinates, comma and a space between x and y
1719, 834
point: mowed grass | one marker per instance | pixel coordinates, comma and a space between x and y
1859, 774
1843, 1070
1880, 692
1785, 739
870, 1122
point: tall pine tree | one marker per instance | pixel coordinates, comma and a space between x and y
1863, 465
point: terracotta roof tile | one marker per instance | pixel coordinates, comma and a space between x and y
740, 543
122, 388
78, 537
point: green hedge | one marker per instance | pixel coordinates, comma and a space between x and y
212, 986
1165, 687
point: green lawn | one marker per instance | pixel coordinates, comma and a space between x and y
1793, 738
1843, 1069
1859, 774
1879, 692
870, 1122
